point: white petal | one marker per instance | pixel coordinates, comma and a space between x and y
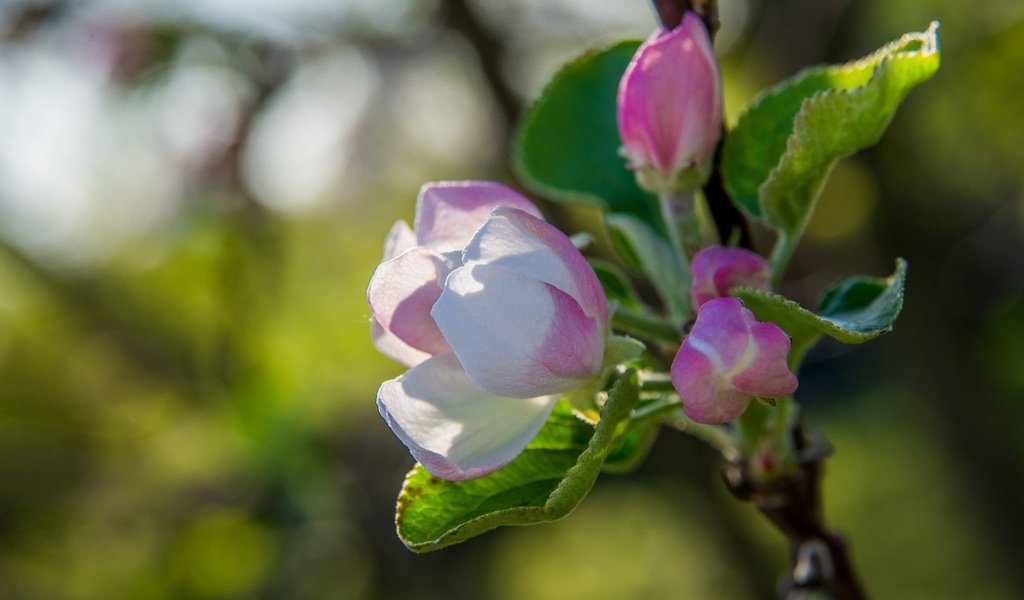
453, 428
399, 239
515, 335
537, 249
400, 295
390, 345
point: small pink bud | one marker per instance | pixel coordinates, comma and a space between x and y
717, 269
670, 108
728, 358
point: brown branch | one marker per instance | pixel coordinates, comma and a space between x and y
792, 502
671, 12
490, 49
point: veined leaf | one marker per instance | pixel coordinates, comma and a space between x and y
544, 483
567, 144
852, 311
777, 157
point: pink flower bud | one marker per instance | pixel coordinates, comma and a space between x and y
717, 269
670, 108
728, 358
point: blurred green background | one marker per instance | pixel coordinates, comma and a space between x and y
193, 195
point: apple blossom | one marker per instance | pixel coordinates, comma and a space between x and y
416, 261
716, 269
670, 108
501, 330
728, 358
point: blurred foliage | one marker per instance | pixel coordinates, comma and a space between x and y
186, 376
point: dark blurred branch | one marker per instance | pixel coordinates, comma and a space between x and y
489, 49
671, 12
29, 18
104, 311
820, 561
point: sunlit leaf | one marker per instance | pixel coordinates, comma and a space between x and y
783, 147
567, 146
543, 484
852, 311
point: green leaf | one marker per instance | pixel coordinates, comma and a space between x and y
632, 447
616, 283
643, 249
544, 483
852, 311
638, 434
777, 157
567, 144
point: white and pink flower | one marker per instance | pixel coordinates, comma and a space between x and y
670, 107
497, 314
728, 358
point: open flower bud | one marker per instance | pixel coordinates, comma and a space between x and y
417, 260
728, 358
518, 319
670, 108
717, 269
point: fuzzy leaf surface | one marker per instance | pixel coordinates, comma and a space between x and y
777, 157
544, 483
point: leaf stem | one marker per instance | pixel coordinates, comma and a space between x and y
781, 253
674, 207
645, 326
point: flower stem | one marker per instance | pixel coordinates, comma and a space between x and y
645, 326
674, 207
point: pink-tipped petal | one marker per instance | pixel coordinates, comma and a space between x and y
535, 248
448, 213
399, 239
516, 335
706, 397
729, 357
670, 101
767, 375
717, 269
401, 293
453, 428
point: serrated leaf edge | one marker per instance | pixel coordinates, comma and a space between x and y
561, 500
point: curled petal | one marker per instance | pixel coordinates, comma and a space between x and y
717, 269
401, 293
391, 346
728, 358
448, 213
516, 335
453, 428
533, 247
670, 101
399, 239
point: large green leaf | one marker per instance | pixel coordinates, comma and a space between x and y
567, 146
852, 311
544, 483
777, 157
